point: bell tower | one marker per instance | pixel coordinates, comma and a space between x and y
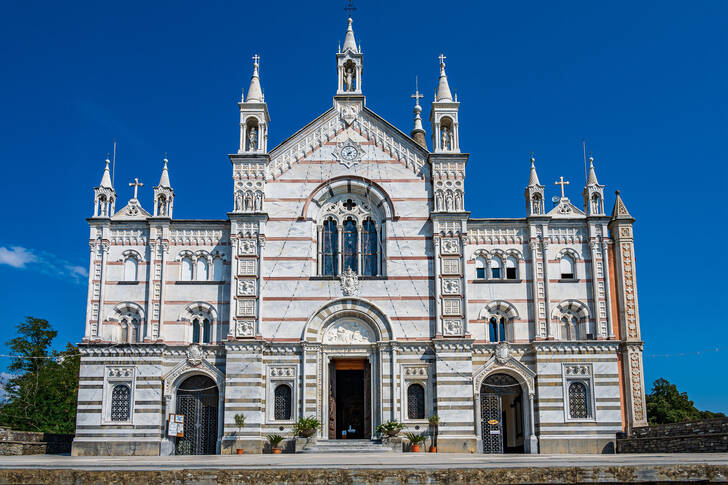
444, 116
349, 65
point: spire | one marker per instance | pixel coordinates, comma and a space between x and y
620, 210
255, 94
106, 178
349, 40
418, 132
592, 178
443, 88
164, 179
533, 177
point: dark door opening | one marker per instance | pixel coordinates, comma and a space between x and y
501, 415
197, 400
349, 407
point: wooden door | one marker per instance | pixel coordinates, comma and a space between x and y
332, 400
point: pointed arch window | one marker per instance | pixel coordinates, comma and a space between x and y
130, 268
496, 268
415, 401
330, 248
282, 402
186, 269
497, 329
369, 249
350, 239
567, 266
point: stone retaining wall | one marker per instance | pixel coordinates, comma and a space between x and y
31, 443
709, 436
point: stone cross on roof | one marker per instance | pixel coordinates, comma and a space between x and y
562, 183
136, 184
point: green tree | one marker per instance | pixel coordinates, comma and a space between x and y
665, 404
42, 396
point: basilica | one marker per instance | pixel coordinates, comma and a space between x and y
349, 282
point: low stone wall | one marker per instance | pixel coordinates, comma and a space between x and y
31, 443
709, 436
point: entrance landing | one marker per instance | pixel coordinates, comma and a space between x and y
348, 446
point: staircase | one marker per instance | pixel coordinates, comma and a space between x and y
348, 446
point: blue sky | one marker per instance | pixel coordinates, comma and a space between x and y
643, 82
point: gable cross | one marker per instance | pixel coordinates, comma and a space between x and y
442, 58
136, 184
350, 7
562, 183
417, 96
256, 58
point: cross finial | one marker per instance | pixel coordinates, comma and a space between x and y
256, 58
562, 183
350, 7
442, 59
136, 184
417, 96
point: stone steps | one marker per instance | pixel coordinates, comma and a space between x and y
348, 446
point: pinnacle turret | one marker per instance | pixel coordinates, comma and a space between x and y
533, 176
349, 40
255, 93
106, 177
443, 88
592, 178
164, 179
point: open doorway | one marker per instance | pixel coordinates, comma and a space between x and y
350, 399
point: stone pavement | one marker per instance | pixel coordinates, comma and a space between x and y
380, 468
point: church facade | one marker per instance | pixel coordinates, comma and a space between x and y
349, 282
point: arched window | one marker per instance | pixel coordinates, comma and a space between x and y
120, 402
217, 270
196, 330
330, 248
206, 331
569, 327
416, 401
578, 401
202, 269
496, 268
349, 246
133, 330
511, 268
282, 402
567, 267
480, 268
497, 329
130, 269
186, 270
369, 248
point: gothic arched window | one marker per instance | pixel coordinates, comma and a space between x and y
185, 273
511, 268
330, 248
369, 248
415, 401
496, 268
217, 270
202, 269
282, 402
350, 237
130, 268
480, 265
578, 401
120, 402
569, 327
567, 266
497, 329
196, 331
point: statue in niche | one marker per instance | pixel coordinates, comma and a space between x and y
458, 202
445, 138
438, 202
161, 206
253, 139
448, 202
349, 77
258, 202
248, 202
238, 201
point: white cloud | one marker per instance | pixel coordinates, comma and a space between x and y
16, 256
22, 258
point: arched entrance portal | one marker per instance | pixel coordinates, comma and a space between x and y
501, 414
197, 400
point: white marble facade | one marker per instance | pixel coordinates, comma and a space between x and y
535, 314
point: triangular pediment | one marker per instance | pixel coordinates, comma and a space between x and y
133, 211
566, 210
346, 124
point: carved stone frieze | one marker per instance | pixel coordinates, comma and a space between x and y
349, 282
450, 245
452, 327
246, 287
451, 286
348, 332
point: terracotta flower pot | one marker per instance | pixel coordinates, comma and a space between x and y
433, 449
415, 448
239, 451
276, 451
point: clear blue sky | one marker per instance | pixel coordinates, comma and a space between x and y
644, 82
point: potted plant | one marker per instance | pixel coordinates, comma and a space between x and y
275, 440
391, 428
415, 440
434, 423
306, 427
240, 423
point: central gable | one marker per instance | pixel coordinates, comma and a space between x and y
352, 136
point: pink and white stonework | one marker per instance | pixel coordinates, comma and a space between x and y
348, 249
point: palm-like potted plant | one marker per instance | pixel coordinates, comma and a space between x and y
415, 440
275, 440
391, 428
306, 427
434, 423
240, 423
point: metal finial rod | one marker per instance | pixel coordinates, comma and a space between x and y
350, 7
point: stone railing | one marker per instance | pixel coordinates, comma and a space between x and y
709, 436
31, 443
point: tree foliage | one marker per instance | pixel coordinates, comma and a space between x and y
42, 396
665, 404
